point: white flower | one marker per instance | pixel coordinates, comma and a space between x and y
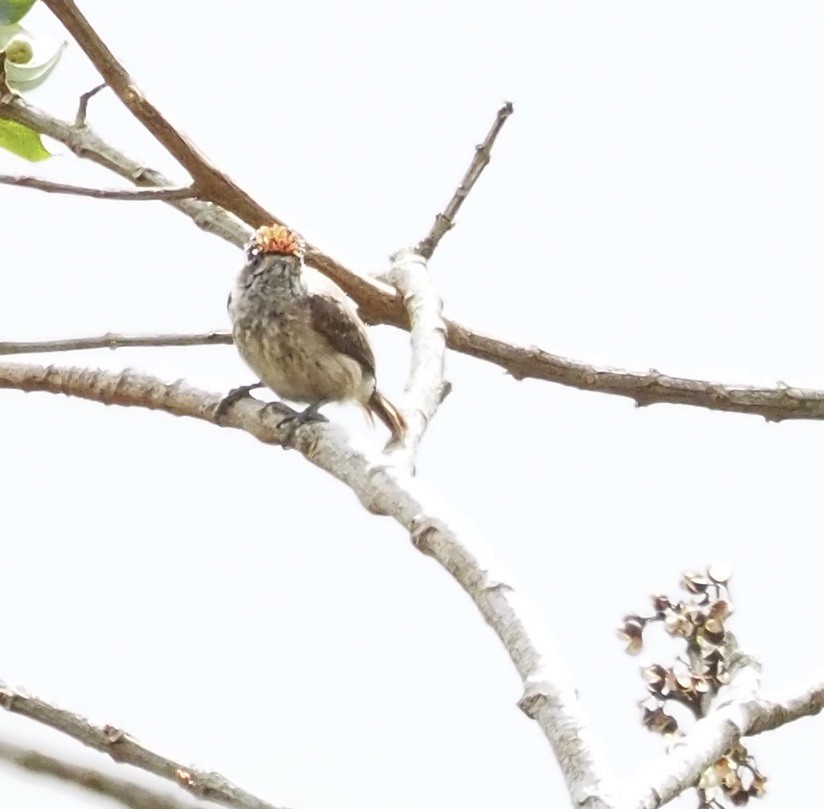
28, 57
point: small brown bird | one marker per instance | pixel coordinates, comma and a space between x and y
300, 334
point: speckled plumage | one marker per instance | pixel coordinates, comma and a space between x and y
303, 338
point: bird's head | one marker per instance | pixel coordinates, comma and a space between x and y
274, 258
275, 240
274, 250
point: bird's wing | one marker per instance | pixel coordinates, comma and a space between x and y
344, 330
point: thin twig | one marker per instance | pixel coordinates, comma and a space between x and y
125, 792
163, 194
85, 143
124, 749
426, 387
549, 695
83, 104
445, 221
114, 341
377, 302
213, 183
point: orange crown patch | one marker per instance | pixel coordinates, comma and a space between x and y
278, 239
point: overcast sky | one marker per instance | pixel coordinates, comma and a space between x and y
655, 201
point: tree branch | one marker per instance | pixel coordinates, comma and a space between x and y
444, 222
377, 302
85, 143
742, 711
807, 701
213, 184
426, 388
378, 305
83, 104
113, 341
123, 749
125, 792
549, 694
779, 403
162, 194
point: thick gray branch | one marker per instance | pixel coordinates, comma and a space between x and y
549, 694
425, 388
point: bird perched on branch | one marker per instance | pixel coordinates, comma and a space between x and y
300, 333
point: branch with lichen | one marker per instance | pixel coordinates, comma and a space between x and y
549, 696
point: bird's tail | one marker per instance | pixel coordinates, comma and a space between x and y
388, 414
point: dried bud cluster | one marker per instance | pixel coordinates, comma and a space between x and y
699, 622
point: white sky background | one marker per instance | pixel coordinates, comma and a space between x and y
654, 202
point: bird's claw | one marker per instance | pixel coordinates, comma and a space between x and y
292, 422
234, 395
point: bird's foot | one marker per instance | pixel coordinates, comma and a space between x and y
234, 395
292, 423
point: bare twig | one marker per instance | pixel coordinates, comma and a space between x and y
125, 792
212, 183
549, 694
124, 749
163, 194
426, 387
377, 302
83, 104
777, 403
446, 220
85, 143
113, 341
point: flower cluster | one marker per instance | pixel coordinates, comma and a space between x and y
699, 622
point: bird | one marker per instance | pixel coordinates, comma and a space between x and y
301, 335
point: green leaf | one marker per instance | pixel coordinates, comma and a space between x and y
12, 11
22, 141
